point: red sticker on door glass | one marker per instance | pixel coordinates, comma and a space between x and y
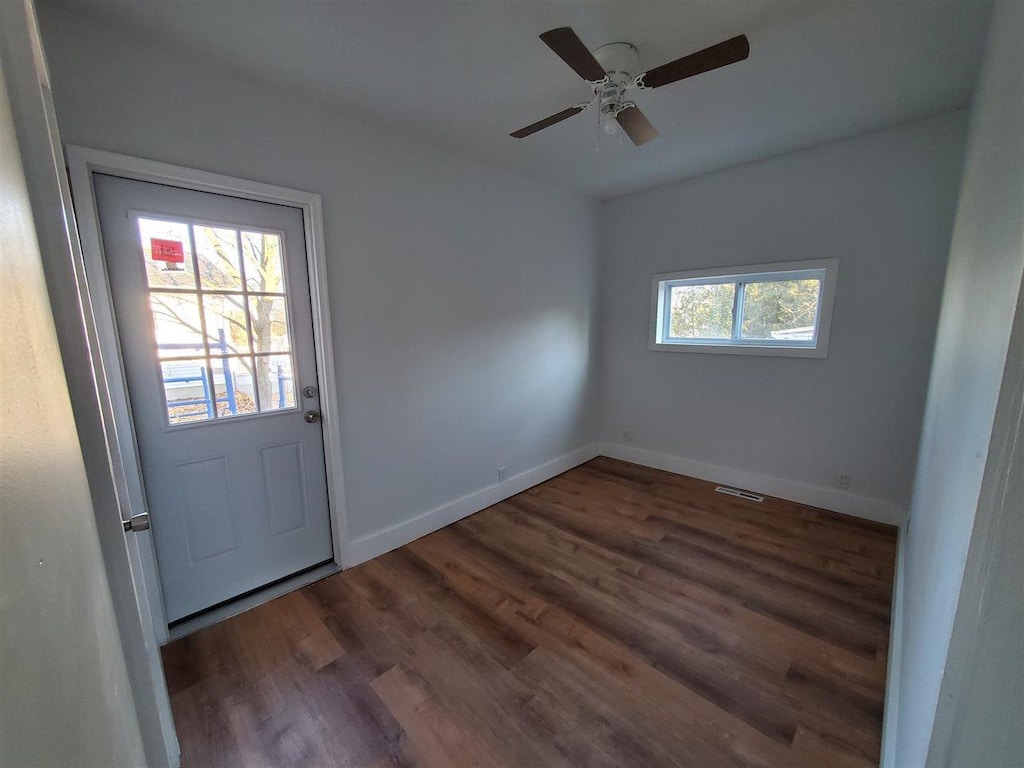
170, 251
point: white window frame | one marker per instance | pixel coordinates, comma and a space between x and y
824, 269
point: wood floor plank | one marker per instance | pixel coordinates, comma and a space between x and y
604, 723
803, 610
439, 737
615, 615
774, 642
690, 623
865, 572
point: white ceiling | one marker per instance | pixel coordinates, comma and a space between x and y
465, 74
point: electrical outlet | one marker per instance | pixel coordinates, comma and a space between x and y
844, 482
501, 474
627, 437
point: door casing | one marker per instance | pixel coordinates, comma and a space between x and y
83, 162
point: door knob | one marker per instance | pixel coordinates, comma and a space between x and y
311, 417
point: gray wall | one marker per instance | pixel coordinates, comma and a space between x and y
982, 283
65, 687
883, 204
461, 294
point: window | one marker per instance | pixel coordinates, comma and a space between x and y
220, 318
768, 309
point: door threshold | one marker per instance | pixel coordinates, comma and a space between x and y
209, 617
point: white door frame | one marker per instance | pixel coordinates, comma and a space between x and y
82, 164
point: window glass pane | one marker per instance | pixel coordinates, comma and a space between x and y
233, 383
187, 390
264, 272
783, 310
269, 323
168, 254
701, 311
225, 323
275, 382
217, 250
176, 320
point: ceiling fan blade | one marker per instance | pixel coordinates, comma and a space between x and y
729, 52
636, 125
564, 42
540, 125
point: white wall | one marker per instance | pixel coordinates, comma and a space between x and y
986, 263
65, 698
462, 294
883, 204
981, 702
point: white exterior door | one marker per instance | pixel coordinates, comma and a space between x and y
211, 297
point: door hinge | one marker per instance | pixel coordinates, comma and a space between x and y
137, 523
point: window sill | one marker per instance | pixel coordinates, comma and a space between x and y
743, 349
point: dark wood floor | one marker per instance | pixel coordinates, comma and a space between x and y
612, 616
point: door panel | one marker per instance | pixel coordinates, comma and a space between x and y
212, 306
205, 507
283, 486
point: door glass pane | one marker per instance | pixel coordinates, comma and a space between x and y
780, 310
225, 323
217, 249
269, 323
264, 272
245, 366
275, 381
233, 383
701, 311
187, 390
176, 320
167, 253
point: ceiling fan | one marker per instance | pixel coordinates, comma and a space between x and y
609, 72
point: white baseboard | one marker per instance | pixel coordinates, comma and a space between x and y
892, 672
832, 499
370, 546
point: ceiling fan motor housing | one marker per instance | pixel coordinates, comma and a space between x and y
620, 61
